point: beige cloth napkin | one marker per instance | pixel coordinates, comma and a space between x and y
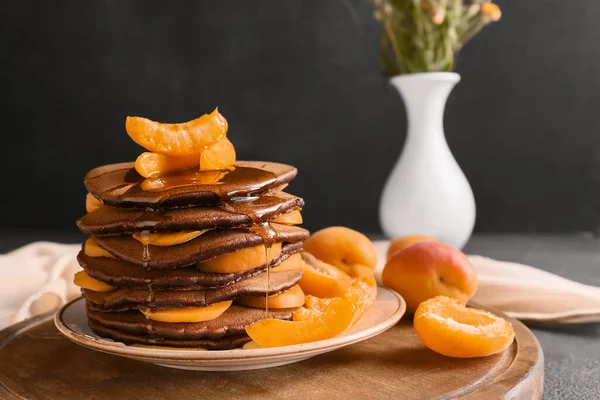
38, 278
525, 292
35, 279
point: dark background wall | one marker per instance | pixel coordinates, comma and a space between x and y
299, 82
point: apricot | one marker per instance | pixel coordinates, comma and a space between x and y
428, 269
182, 139
169, 181
241, 260
347, 249
290, 218
83, 280
251, 345
91, 249
195, 314
321, 279
292, 262
218, 156
167, 238
399, 243
335, 319
448, 327
291, 298
362, 293
152, 165
92, 203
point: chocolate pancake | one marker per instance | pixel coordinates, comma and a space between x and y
226, 343
121, 273
233, 213
124, 299
231, 323
119, 185
206, 247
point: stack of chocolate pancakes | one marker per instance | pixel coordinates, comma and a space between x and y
166, 252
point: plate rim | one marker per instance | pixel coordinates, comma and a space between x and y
215, 356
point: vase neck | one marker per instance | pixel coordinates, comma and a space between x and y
424, 97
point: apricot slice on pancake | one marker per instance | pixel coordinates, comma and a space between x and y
169, 181
92, 203
291, 298
345, 248
83, 280
195, 314
321, 279
218, 156
292, 262
449, 328
166, 239
91, 249
335, 319
290, 218
241, 260
152, 165
181, 139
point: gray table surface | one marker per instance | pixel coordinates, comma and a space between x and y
572, 353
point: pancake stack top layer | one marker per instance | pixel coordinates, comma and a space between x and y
167, 255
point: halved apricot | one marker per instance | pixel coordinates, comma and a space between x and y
166, 238
449, 328
336, 318
290, 218
152, 165
293, 262
362, 293
182, 139
345, 248
92, 203
91, 249
83, 280
291, 298
241, 260
323, 280
195, 314
218, 156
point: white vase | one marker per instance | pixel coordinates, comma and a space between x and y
427, 193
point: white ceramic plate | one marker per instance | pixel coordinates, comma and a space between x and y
388, 308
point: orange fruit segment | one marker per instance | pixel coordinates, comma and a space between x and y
323, 280
335, 319
241, 260
290, 218
91, 249
167, 238
195, 314
92, 203
291, 298
293, 262
83, 280
449, 328
218, 156
152, 165
182, 139
345, 248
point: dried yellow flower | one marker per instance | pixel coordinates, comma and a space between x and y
491, 10
438, 16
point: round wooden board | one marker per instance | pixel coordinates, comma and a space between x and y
37, 362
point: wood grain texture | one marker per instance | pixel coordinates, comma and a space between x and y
36, 362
